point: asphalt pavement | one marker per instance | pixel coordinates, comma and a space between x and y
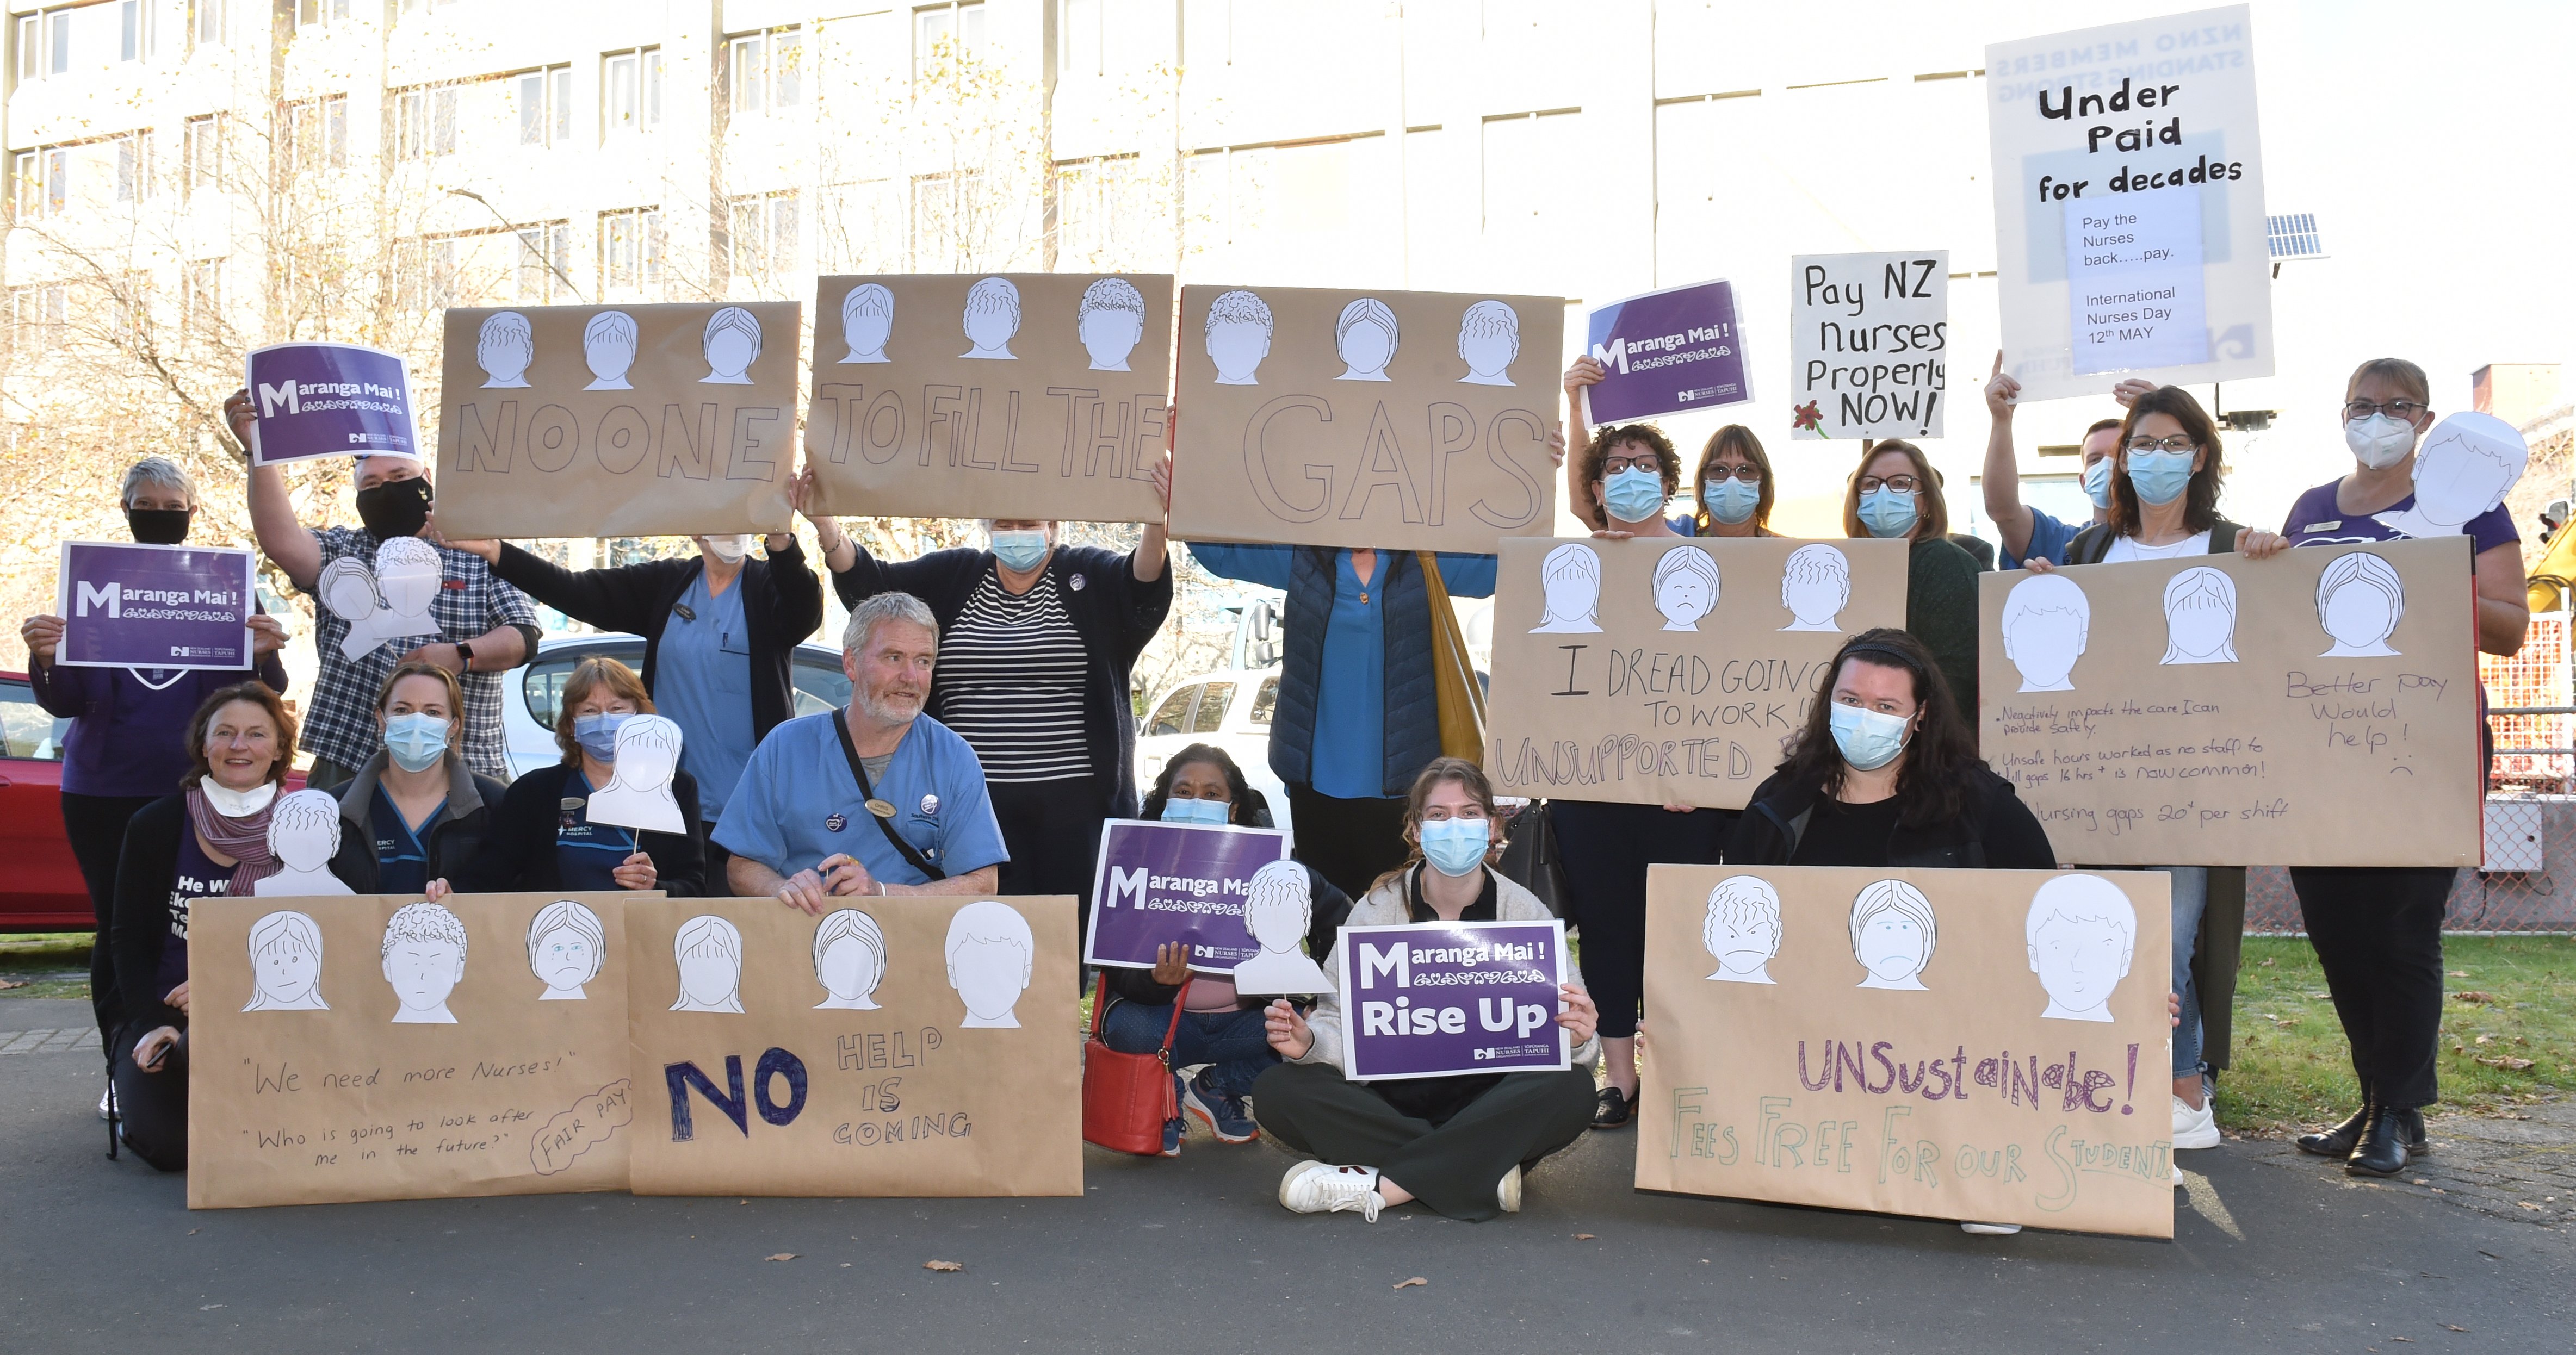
1195, 1253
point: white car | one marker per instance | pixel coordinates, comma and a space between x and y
1229, 709
528, 702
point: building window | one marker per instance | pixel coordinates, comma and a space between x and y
317, 136
630, 91
208, 26
134, 30
765, 70
316, 13
27, 183
37, 316
203, 152
205, 298
425, 275
134, 167
425, 123
764, 230
545, 261
25, 35
58, 181
1078, 31
946, 32
58, 41
545, 106
630, 251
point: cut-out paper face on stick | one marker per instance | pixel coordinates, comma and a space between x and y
639, 794
708, 951
504, 349
867, 321
2468, 463
1238, 337
2082, 932
565, 949
1685, 587
608, 345
1570, 579
348, 588
1742, 931
1892, 933
731, 345
1365, 337
286, 965
303, 834
2360, 600
1111, 321
2200, 617
408, 575
849, 960
992, 319
1278, 908
424, 958
990, 953
1815, 585
1489, 339
2046, 619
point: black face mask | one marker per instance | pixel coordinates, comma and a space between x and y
395, 508
159, 526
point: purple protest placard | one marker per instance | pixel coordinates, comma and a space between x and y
329, 399
1667, 352
1163, 882
130, 606
1443, 998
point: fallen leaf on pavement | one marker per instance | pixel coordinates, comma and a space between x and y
2473, 995
2526, 1204
2448, 1327
2422, 1182
780, 1256
1584, 1237
2507, 1062
15, 983
2407, 1339
1408, 1284
942, 1265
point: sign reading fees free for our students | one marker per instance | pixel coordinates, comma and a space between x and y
1443, 998
135, 606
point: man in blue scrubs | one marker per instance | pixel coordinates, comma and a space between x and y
799, 824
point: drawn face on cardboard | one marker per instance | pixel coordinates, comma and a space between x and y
1742, 930
408, 574
2359, 601
867, 321
504, 348
1488, 340
286, 964
848, 969
1893, 931
1570, 581
423, 972
2082, 933
1686, 587
1110, 335
990, 955
2200, 617
730, 345
1815, 586
1366, 345
2359, 616
2466, 466
1237, 348
608, 348
1891, 947
565, 959
349, 589
992, 318
2045, 622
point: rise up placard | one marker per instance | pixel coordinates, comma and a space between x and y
617, 420
2319, 708
1869, 343
1954, 1044
1668, 672
991, 395
1396, 420
384, 1048
895, 1046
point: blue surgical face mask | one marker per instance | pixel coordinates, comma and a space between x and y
1887, 513
1212, 812
2097, 483
1731, 500
597, 734
1634, 495
1020, 552
415, 743
2159, 477
1869, 740
1456, 846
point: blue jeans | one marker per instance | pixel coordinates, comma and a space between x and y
1234, 1044
2190, 899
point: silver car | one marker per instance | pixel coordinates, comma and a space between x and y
528, 714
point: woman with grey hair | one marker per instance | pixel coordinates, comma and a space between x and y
123, 748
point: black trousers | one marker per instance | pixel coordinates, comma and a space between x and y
1052, 830
2377, 932
95, 827
1349, 842
1606, 849
152, 1107
719, 883
1457, 1166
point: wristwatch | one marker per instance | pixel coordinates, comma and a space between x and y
464, 656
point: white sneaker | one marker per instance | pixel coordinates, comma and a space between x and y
1313, 1187
1509, 1192
1990, 1229
106, 1100
2194, 1128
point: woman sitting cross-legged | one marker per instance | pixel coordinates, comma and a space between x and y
1458, 1144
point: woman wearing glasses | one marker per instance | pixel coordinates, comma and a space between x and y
1731, 488
1896, 495
2378, 930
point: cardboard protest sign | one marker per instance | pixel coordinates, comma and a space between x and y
127, 605
2129, 230
2241, 712
1435, 999
1668, 672
895, 1046
973, 395
1325, 417
618, 420
1869, 344
1160, 883
1954, 1044
383, 1048
329, 399
1666, 352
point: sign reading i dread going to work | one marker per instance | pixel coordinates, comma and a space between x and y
2319, 708
1869, 342
1010, 395
1950, 1044
1437, 999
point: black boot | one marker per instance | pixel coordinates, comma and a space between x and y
2382, 1150
2338, 1141
2410, 1131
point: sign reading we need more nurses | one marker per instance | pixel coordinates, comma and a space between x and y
2129, 225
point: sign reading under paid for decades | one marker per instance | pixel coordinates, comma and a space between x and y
618, 420
1668, 672
1010, 395
1952, 1044
1160, 884
134, 606
1869, 343
1436, 999
383, 1048
2129, 228
1398, 420
2319, 708
1666, 352
329, 399
897, 1046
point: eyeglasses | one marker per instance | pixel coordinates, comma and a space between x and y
1902, 484
1612, 465
2403, 410
2176, 443
1748, 473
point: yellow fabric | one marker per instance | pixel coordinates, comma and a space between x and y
1453, 672
2555, 577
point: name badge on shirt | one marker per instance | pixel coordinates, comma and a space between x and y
2323, 526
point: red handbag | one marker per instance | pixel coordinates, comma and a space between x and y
1127, 1099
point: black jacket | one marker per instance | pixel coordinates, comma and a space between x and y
1994, 830
518, 851
138, 918
782, 603
1332, 909
452, 836
1114, 613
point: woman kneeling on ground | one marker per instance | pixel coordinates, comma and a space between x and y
1459, 1144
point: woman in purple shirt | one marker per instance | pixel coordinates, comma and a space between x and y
124, 749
